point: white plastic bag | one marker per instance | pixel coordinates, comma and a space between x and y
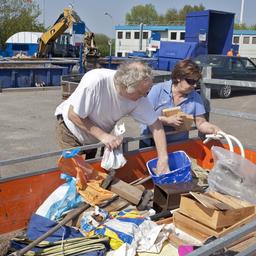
233, 175
114, 159
61, 200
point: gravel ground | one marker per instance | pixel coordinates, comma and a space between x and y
28, 125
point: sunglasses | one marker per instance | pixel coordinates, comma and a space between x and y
191, 81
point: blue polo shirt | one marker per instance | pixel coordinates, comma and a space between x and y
161, 98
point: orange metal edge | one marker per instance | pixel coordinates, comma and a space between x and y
20, 198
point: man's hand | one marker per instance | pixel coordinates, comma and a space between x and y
111, 141
162, 167
174, 121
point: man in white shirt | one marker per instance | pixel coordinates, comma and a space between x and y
102, 98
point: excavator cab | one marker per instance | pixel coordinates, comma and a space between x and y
46, 41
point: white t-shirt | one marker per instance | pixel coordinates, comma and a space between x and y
97, 98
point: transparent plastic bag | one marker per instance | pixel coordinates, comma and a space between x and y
233, 175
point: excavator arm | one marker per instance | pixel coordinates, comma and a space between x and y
64, 21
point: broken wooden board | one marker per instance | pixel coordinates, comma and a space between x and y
165, 221
171, 111
176, 241
238, 224
210, 202
230, 200
117, 205
212, 218
126, 191
244, 243
187, 119
193, 228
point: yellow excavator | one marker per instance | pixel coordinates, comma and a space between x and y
65, 20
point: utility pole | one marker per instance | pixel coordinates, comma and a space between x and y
110, 40
141, 36
242, 12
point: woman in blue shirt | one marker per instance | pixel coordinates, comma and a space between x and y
179, 92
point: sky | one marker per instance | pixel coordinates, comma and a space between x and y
92, 12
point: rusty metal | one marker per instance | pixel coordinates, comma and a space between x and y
167, 196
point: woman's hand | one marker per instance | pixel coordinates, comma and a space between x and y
175, 120
213, 129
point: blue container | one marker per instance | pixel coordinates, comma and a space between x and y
180, 166
216, 26
14, 75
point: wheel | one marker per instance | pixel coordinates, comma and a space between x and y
225, 91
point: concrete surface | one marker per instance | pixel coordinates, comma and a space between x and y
28, 125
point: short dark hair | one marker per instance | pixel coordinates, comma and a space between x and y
186, 69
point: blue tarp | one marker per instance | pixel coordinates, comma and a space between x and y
39, 225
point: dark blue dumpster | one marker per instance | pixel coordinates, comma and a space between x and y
15, 75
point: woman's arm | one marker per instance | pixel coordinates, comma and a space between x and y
204, 126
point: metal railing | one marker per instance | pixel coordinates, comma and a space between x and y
206, 85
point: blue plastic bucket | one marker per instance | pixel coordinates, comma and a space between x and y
180, 166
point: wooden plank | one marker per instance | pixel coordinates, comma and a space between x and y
212, 218
210, 202
243, 243
238, 224
126, 191
117, 205
165, 221
176, 241
192, 227
230, 200
187, 119
171, 111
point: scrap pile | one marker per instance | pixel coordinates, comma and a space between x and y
89, 216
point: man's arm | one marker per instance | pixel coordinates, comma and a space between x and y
204, 126
161, 147
86, 125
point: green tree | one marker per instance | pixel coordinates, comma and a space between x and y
187, 9
253, 27
145, 14
244, 26
240, 26
102, 44
17, 16
170, 17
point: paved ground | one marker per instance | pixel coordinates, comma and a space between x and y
28, 125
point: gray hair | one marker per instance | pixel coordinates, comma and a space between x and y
130, 74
